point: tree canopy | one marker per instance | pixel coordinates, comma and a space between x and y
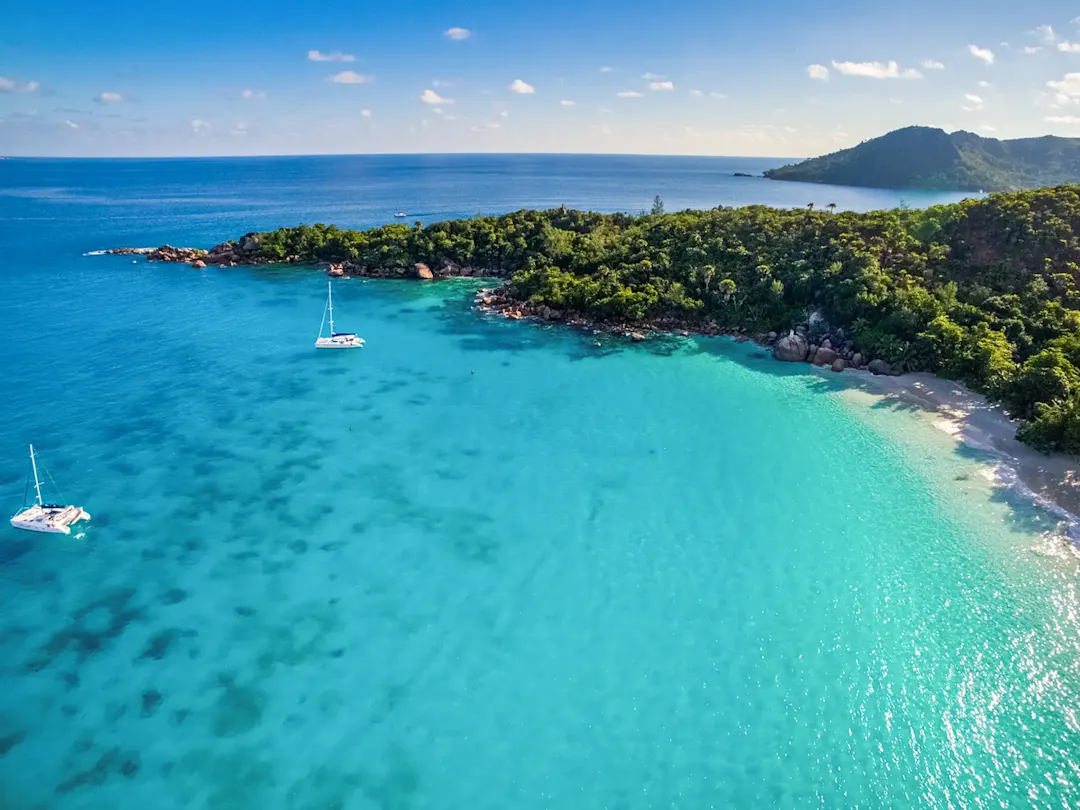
984, 291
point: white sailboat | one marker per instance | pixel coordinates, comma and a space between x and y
46, 517
336, 340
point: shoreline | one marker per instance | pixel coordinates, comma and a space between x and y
1050, 481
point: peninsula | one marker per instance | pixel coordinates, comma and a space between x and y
928, 158
985, 292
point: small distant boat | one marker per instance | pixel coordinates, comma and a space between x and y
400, 214
336, 340
46, 517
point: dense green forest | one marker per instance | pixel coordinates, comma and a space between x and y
928, 158
984, 291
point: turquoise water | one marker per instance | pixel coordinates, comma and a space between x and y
485, 564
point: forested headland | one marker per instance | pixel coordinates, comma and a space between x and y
984, 291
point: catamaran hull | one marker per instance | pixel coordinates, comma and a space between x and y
331, 343
35, 519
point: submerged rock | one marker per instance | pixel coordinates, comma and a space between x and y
825, 356
839, 364
791, 348
199, 264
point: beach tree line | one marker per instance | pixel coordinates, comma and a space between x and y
983, 291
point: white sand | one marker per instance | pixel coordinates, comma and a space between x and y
1052, 480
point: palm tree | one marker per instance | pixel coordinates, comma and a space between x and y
831, 207
809, 206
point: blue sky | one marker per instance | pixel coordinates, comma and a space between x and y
758, 77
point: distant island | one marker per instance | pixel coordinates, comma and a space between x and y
932, 159
984, 291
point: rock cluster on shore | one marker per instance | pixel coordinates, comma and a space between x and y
796, 347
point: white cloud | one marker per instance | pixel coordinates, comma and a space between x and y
72, 124
437, 110
198, 125
239, 129
605, 69
1067, 91
985, 54
1062, 119
986, 128
628, 94
661, 86
457, 33
331, 56
431, 97
651, 76
350, 77
974, 103
696, 93
441, 83
566, 102
1069, 47
790, 129
365, 113
488, 125
252, 94
876, 70
896, 101
11, 86
504, 114
1031, 50
518, 86
984, 83
1045, 32
819, 72
717, 95
106, 98
932, 64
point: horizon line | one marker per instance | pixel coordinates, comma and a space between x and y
392, 154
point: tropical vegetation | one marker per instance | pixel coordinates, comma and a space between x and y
984, 291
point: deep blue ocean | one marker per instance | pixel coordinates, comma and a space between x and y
484, 564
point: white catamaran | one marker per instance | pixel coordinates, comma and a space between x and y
46, 517
336, 340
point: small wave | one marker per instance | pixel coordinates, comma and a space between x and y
1006, 476
96, 253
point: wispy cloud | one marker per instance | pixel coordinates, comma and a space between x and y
253, 94
876, 70
974, 102
661, 86
520, 87
819, 72
984, 83
932, 64
198, 125
431, 97
239, 129
71, 124
566, 102
1067, 90
985, 54
365, 113
628, 94
1062, 119
12, 86
1031, 50
108, 98
717, 95
986, 128
457, 33
441, 83
697, 94
651, 76
1045, 32
330, 56
1069, 47
606, 69
351, 77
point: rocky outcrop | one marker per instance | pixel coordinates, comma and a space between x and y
336, 270
839, 364
168, 253
880, 367
856, 360
423, 271
199, 264
791, 348
825, 356
126, 251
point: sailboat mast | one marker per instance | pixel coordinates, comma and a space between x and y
37, 483
330, 291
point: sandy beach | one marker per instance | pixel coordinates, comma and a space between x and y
1053, 480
